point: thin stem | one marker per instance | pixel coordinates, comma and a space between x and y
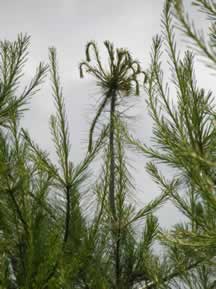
112, 155
67, 218
116, 234
117, 265
101, 108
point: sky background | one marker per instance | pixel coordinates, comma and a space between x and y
69, 25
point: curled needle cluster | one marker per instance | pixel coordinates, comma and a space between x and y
122, 72
119, 78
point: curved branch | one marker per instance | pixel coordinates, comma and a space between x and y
101, 107
111, 53
94, 46
90, 69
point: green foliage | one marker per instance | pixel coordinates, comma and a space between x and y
120, 78
13, 56
184, 139
206, 47
47, 239
129, 261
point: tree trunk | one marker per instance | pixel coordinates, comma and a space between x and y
112, 155
115, 230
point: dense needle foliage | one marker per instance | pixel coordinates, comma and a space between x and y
47, 240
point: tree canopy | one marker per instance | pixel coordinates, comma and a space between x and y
47, 239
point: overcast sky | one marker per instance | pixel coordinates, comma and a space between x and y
68, 25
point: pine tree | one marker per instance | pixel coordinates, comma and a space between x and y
46, 239
184, 139
42, 239
129, 261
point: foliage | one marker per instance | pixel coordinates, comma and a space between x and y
125, 255
184, 139
47, 240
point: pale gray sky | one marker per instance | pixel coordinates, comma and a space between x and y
68, 25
